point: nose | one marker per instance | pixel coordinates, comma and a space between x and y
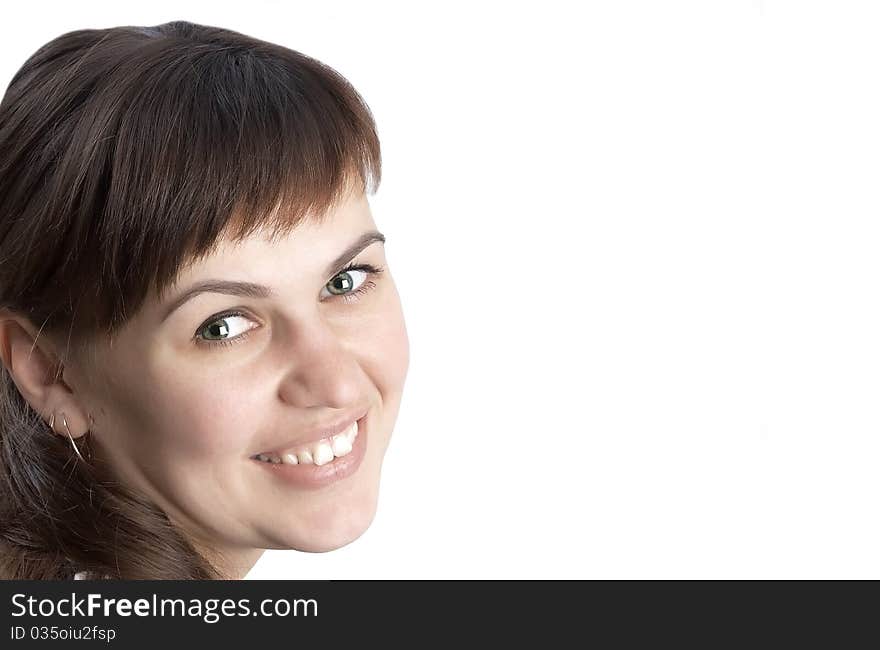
323, 370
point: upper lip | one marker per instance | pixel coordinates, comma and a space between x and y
320, 431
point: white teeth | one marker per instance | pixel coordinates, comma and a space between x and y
323, 453
319, 453
341, 445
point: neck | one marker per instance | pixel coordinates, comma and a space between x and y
231, 563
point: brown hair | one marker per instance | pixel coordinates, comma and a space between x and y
125, 154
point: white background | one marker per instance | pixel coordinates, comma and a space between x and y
636, 244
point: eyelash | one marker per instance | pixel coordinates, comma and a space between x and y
352, 296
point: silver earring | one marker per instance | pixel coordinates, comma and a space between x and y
72, 443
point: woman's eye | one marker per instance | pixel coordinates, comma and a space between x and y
351, 282
346, 282
224, 329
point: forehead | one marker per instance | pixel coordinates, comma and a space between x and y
305, 249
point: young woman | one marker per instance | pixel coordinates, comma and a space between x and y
203, 348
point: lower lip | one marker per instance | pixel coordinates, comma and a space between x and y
313, 477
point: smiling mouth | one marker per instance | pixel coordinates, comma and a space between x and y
319, 453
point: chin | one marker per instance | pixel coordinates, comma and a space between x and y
340, 534
333, 528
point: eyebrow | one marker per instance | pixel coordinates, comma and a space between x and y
251, 290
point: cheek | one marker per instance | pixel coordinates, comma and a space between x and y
205, 418
183, 414
387, 346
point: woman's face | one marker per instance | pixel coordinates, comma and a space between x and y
187, 394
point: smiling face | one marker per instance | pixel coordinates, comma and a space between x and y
183, 401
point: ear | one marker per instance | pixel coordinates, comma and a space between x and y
37, 372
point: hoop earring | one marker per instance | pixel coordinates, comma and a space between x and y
72, 443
